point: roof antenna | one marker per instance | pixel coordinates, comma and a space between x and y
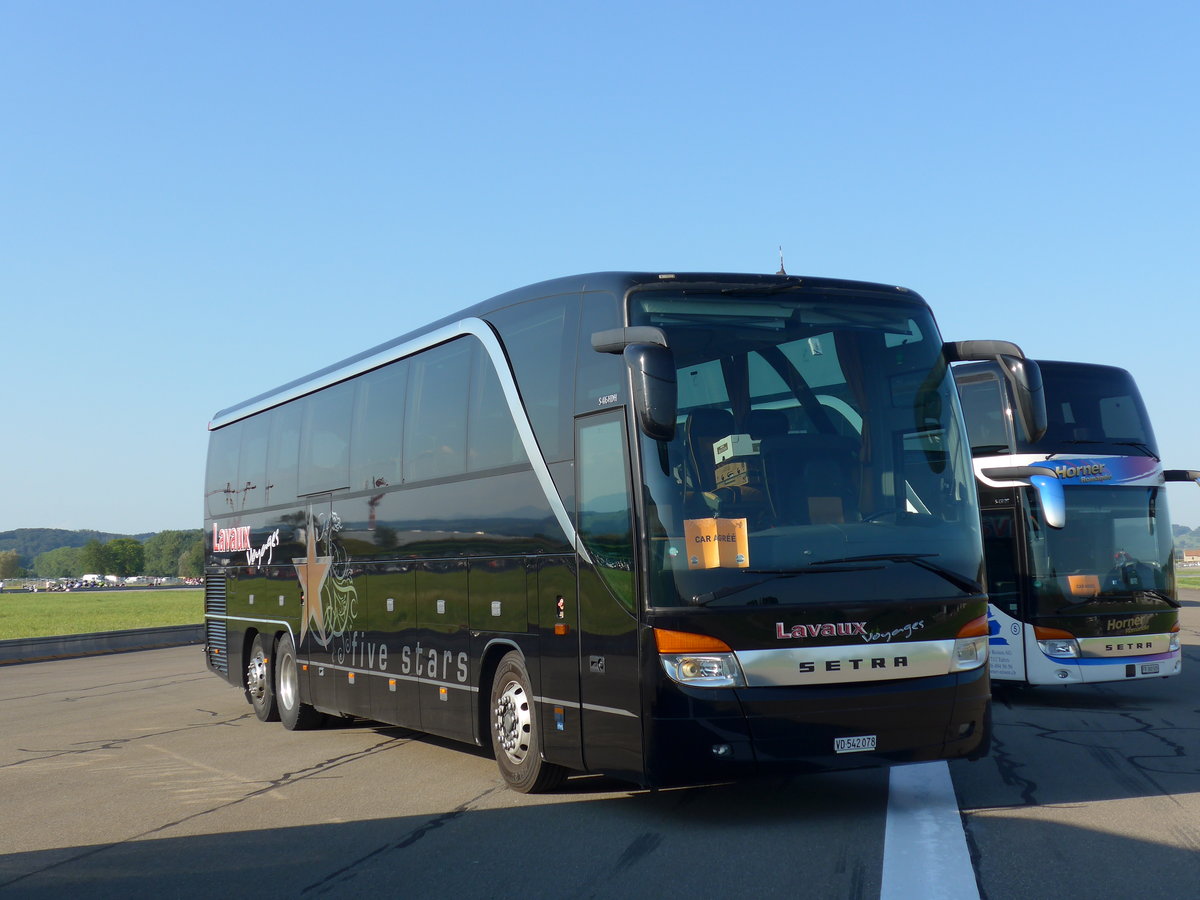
781, 271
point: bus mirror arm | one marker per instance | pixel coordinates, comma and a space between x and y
1044, 481
1182, 475
1023, 375
652, 371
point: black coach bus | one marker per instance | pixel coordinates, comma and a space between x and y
674, 528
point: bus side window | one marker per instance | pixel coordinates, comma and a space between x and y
604, 502
252, 463
986, 414
539, 337
325, 440
435, 424
492, 439
283, 449
600, 377
221, 474
376, 441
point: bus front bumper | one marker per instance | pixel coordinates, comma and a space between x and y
749, 731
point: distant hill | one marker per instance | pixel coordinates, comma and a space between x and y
29, 542
1187, 540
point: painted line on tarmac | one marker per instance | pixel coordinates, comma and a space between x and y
924, 847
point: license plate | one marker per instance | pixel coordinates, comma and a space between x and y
854, 744
1150, 669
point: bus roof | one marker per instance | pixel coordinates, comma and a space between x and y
618, 283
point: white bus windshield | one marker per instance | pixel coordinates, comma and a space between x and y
1114, 548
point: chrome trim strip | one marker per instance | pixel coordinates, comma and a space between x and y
845, 663
1123, 646
457, 685
472, 326
254, 621
592, 707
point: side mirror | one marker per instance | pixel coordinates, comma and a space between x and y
1044, 481
655, 397
1023, 376
1050, 496
1182, 475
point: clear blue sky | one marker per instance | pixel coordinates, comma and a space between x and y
200, 201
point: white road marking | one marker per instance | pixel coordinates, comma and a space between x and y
925, 851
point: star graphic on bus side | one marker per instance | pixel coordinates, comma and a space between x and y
312, 571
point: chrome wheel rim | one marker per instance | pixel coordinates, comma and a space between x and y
256, 677
287, 681
513, 722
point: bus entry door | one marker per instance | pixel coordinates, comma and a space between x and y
1007, 614
610, 686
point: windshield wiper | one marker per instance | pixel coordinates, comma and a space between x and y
710, 596
1165, 598
917, 559
1145, 448
1156, 594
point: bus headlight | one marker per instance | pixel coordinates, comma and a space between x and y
1056, 643
698, 659
971, 646
969, 653
1060, 648
711, 670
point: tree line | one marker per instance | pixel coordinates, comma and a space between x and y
167, 554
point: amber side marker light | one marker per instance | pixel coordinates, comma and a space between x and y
974, 628
1052, 634
685, 642
1056, 643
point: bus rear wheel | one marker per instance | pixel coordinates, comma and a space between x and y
260, 681
296, 716
515, 735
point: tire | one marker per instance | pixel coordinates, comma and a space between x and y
296, 716
515, 734
260, 680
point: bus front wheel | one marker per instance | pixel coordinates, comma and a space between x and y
296, 716
260, 681
515, 735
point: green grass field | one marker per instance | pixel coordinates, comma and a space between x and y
1190, 581
46, 614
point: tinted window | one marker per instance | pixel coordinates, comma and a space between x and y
539, 337
492, 436
223, 446
375, 444
986, 412
1092, 406
435, 430
604, 502
325, 440
252, 462
600, 377
283, 453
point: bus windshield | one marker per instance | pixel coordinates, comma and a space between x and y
1092, 409
1114, 549
818, 433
